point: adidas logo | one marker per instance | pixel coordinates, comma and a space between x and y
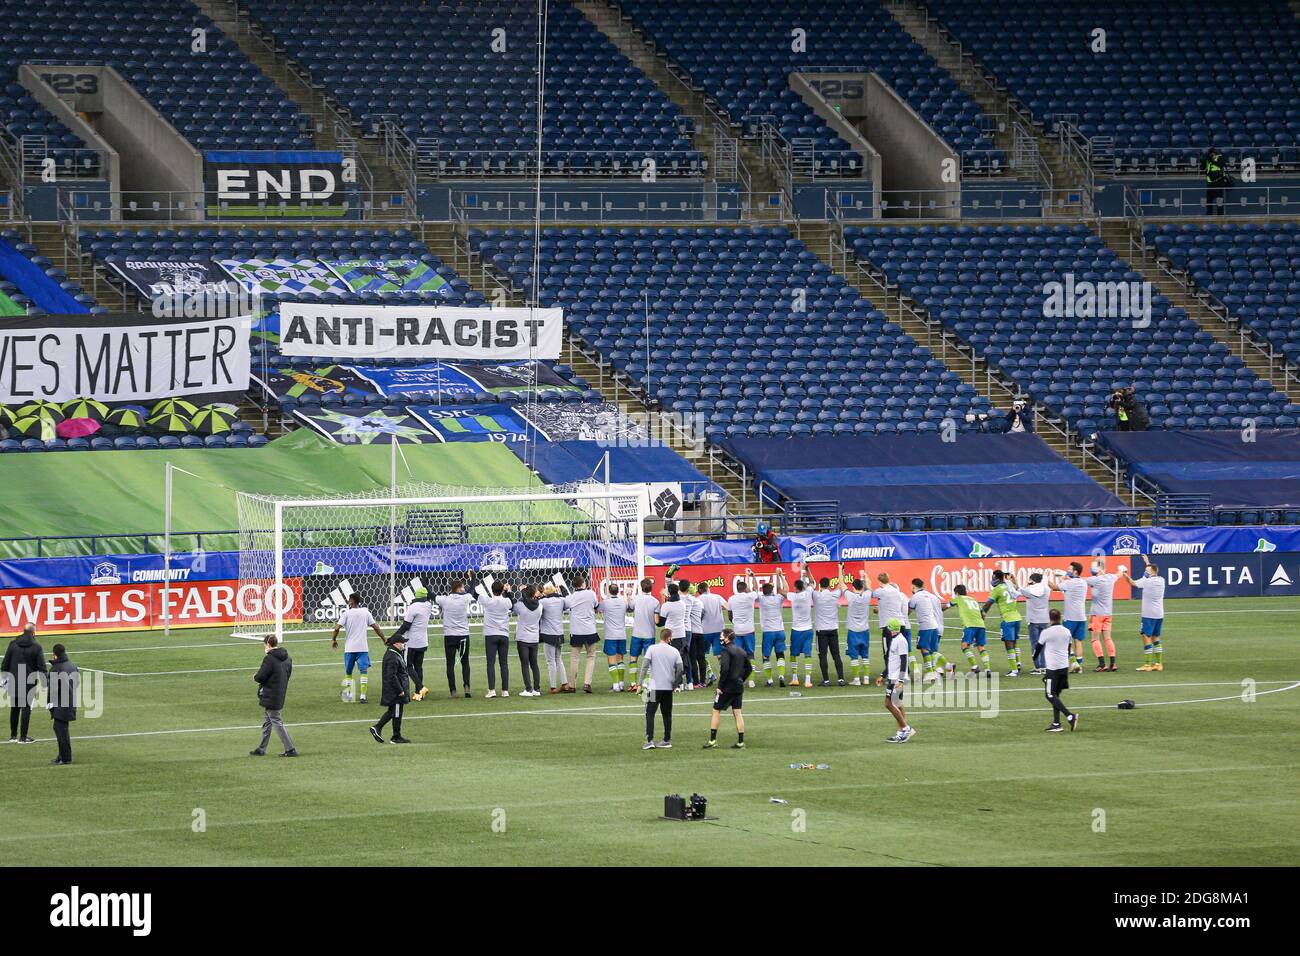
1280, 578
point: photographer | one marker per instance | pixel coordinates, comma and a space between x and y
1130, 414
767, 549
1217, 181
1020, 417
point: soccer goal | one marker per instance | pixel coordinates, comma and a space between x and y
301, 558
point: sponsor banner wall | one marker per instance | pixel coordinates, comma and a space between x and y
1271, 574
419, 331
118, 357
134, 607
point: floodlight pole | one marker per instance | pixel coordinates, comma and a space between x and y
167, 549
392, 526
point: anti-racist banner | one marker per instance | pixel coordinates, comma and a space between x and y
390, 275
368, 428
488, 422
285, 276
168, 278
419, 331
121, 357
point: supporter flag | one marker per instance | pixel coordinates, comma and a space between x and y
322, 380
390, 275
284, 277
516, 376
366, 428
488, 422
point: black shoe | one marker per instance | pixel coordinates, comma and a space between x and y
586, 688
403, 740
58, 762
468, 693
1055, 729
841, 681
259, 752
289, 753
826, 683
374, 732
27, 740
1073, 721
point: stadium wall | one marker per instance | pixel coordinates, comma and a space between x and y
125, 592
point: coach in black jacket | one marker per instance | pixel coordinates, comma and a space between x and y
734, 668
23, 668
396, 692
273, 686
65, 683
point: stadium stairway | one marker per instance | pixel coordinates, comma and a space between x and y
332, 129
1121, 236
969, 75
827, 242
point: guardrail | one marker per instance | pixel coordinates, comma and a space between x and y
1255, 200
697, 202
180, 206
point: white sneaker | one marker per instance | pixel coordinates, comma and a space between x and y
856, 682
489, 695
751, 683
949, 669
505, 693
931, 677
807, 682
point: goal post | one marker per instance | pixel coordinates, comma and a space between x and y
301, 558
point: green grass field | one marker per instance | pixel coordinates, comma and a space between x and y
1194, 775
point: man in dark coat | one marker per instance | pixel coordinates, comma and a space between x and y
273, 685
65, 684
397, 690
22, 669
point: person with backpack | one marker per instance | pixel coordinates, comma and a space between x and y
734, 668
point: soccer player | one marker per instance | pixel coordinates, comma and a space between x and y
415, 625
1152, 587
496, 637
1004, 596
661, 667
929, 628
581, 605
712, 609
858, 639
674, 614
644, 608
826, 622
1055, 641
1037, 594
698, 663
801, 630
891, 603
454, 608
688, 643
356, 651
893, 676
613, 608
1075, 613
973, 634
395, 691
740, 609
1103, 597
734, 669
771, 621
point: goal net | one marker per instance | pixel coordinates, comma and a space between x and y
300, 558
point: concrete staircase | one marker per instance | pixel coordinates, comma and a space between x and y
1119, 236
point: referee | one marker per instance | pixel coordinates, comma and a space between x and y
734, 668
1055, 642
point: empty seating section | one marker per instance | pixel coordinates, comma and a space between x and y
216, 98
742, 54
434, 71
1176, 77
987, 284
747, 328
1252, 269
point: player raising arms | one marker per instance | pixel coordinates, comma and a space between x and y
801, 629
858, 624
771, 621
613, 608
740, 609
356, 648
826, 621
929, 628
891, 604
1074, 616
1103, 597
712, 608
644, 608
973, 632
1152, 587
1004, 595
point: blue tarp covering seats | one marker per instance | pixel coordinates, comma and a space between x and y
904, 473
42, 289
1264, 473
565, 461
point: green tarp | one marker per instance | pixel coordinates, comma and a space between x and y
9, 307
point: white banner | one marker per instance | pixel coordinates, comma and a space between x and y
120, 357
420, 331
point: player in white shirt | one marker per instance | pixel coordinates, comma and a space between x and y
929, 629
893, 677
740, 609
355, 622
697, 664
890, 603
801, 630
454, 608
675, 615
858, 628
581, 604
687, 649
826, 622
1152, 587
712, 618
613, 610
661, 669
645, 606
1099, 615
497, 608
1075, 611
771, 621
415, 626
1055, 641
1038, 596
